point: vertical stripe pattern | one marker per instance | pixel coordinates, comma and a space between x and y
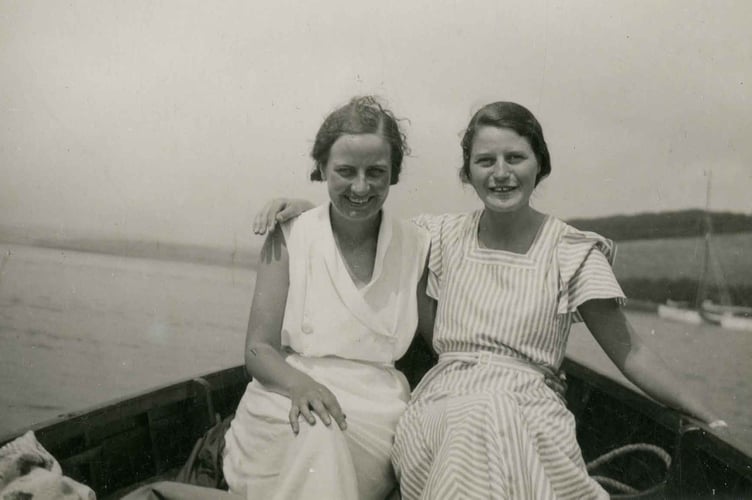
484, 430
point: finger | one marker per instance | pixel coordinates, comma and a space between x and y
274, 209
287, 213
306, 412
293, 416
271, 214
335, 410
320, 410
718, 424
263, 216
267, 215
259, 224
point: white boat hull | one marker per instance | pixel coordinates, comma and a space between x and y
679, 314
737, 323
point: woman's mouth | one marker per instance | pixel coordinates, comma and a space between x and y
358, 202
502, 189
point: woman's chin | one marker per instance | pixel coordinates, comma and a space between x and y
511, 204
359, 213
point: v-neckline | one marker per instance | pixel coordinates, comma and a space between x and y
382, 237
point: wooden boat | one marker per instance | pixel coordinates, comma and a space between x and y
125, 443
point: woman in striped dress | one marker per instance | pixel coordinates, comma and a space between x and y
503, 286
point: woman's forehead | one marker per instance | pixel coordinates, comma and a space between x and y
489, 138
360, 146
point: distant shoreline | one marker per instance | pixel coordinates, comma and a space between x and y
229, 257
245, 258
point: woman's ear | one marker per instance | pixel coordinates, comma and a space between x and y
322, 173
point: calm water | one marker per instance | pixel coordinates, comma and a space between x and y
78, 329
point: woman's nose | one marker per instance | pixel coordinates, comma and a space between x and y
359, 185
501, 169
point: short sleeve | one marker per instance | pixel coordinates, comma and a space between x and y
433, 224
584, 259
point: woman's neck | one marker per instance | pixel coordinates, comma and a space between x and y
512, 231
351, 232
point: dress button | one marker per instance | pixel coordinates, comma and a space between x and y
306, 328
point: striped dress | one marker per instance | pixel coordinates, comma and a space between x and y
482, 423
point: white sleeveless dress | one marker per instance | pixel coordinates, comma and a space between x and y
347, 339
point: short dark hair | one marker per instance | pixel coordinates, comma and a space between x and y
362, 115
513, 116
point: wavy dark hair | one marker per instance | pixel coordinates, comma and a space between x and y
513, 116
362, 115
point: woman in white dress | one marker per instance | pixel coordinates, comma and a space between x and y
504, 285
335, 305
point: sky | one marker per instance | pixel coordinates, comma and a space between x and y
176, 120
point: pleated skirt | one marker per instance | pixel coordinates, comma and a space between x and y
476, 431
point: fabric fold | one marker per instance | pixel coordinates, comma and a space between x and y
578, 281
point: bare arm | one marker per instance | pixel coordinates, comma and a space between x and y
263, 346
279, 210
641, 365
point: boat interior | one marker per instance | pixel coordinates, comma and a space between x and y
136, 440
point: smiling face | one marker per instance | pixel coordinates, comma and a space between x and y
503, 168
358, 175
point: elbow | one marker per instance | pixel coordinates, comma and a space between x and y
253, 351
637, 360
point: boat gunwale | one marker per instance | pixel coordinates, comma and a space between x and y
58, 429
115, 409
710, 441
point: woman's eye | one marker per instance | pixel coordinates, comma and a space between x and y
377, 172
484, 162
345, 172
515, 158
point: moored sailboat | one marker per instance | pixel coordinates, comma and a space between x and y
723, 312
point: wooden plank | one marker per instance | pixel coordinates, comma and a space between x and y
70, 425
721, 451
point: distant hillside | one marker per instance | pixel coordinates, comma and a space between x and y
647, 226
240, 256
679, 224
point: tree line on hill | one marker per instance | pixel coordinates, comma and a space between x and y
676, 224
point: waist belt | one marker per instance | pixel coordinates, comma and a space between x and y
495, 359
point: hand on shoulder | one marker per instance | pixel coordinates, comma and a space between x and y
278, 210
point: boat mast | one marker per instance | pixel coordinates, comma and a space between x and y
702, 288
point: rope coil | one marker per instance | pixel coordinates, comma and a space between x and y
626, 490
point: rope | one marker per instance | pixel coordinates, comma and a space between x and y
625, 489
616, 485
